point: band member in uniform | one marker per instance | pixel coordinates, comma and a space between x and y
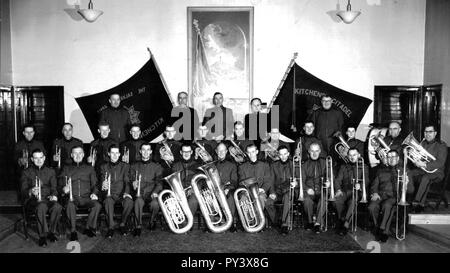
187, 165
117, 117
239, 139
38, 184
100, 147
270, 146
307, 138
343, 186
204, 140
146, 175
261, 171
165, 159
383, 193
79, 181
252, 122
62, 147
327, 121
282, 172
115, 184
193, 117
132, 147
353, 142
228, 178
24, 147
313, 170
422, 179
225, 117
393, 140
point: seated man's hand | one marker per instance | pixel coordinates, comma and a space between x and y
135, 185
310, 191
375, 197
272, 196
357, 186
154, 195
53, 198
126, 195
66, 189
339, 193
93, 196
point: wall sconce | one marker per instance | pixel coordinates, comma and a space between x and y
348, 16
90, 14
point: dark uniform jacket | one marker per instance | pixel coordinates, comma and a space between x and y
312, 172
134, 147
259, 170
47, 177
151, 175
394, 144
282, 172
227, 173
385, 182
118, 120
346, 173
84, 180
120, 179
306, 141
66, 149
29, 146
439, 150
227, 120
102, 146
187, 168
327, 122
175, 148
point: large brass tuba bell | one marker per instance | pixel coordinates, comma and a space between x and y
415, 152
174, 205
211, 198
248, 205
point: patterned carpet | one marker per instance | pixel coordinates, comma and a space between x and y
197, 241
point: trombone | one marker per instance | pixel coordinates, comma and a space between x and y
330, 176
138, 179
354, 219
296, 164
403, 179
324, 203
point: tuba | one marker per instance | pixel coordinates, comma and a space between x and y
381, 148
248, 205
341, 147
201, 151
165, 152
174, 205
236, 152
416, 153
402, 179
211, 198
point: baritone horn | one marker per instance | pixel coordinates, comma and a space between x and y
401, 202
174, 205
166, 153
381, 148
211, 198
416, 153
202, 152
248, 205
341, 147
236, 152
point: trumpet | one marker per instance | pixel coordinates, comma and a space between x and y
330, 176
211, 198
38, 186
69, 184
93, 155
249, 206
138, 178
416, 153
174, 205
381, 148
236, 152
403, 179
341, 147
58, 155
25, 158
166, 153
201, 151
126, 155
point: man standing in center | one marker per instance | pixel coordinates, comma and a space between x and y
223, 115
117, 117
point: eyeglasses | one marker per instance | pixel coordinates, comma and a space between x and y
392, 156
429, 132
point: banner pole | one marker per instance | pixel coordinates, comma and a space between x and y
283, 80
161, 76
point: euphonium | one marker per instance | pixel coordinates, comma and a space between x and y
324, 203
166, 153
403, 179
236, 152
174, 205
211, 198
201, 151
381, 148
248, 205
416, 153
341, 147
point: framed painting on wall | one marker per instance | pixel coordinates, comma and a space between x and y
220, 57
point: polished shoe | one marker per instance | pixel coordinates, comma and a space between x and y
90, 232
384, 237
316, 229
123, 230
137, 232
284, 230
51, 237
73, 236
110, 233
42, 242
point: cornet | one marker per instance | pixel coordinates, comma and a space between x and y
341, 147
416, 153
93, 155
236, 152
174, 205
58, 155
38, 186
403, 179
166, 153
211, 198
201, 151
249, 206
69, 185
